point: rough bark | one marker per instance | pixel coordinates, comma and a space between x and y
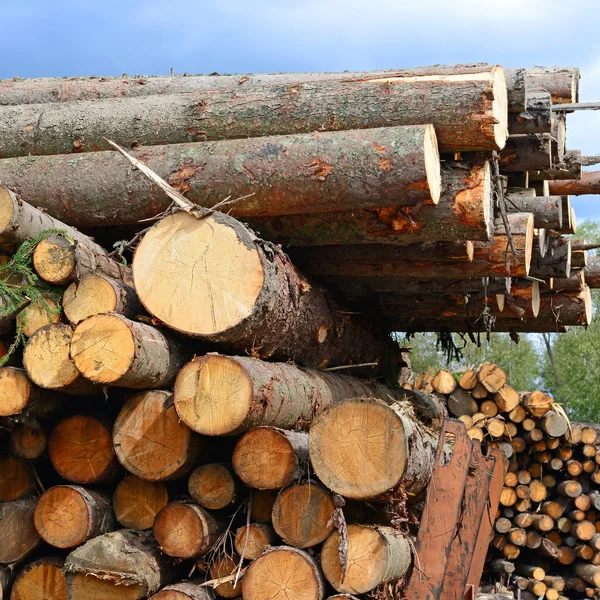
81, 450
252, 540
556, 262
18, 537
185, 530
268, 458
537, 118
69, 515
149, 439
569, 167
214, 486
589, 573
561, 82
361, 463
388, 558
95, 294
546, 210
27, 442
516, 85
109, 349
40, 580
283, 571
303, 514
469, 112
185, 590
211, 278
222, 395
294, 174
465, 212
527, 153
127, 559
588, 184
20, 397
16, 479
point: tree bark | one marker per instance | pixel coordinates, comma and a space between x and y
465, 212
185, 530
362, 463
18, 537
214, 486
40, 580
27, 442
546, 210
556, 262
222, 395
537, 118
561, 82
185, 590
259, 538
148, 426
589, 573
303, 514
48, 363
109, 349
294, 174
97, 294
124, 560
16, 479
388, 557
569, 167
81, 450
588, 184
136, 502
268, 458
230, 288
287, 568
527, 153
68, 515
21, 398
469, 112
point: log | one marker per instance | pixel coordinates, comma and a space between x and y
270, 458
247, 287
464, 212
149, 439
27, 442
443, 382
185, 530
303, 514
546, 210
527, 153
225, 566
588, 184
186, 590
18, 537
47, 360
283, 568
113, 350
20, 397
461, 403
537, 117
68, 515
389, 557
136, 502
556, 262
40, 580
569, 167
555, 424
123, 564
37, 315
253, 539
506, 398
469, 112
16, 479
81, 450
59, 260
225, 395
97, 294
589, 573
491, 376
214, 486
561, 82
294, 174
570, 489
365, 462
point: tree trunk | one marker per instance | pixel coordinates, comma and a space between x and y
588, 184
303, 514
362, 463
125, 561
375, 555
68, 515
48, 363
58, 260
546, 210
527, 153
223, 395
469, 112
294, 174
19, 397
149, 426
230, 288
81, 450
537, 118
283, 568
27, 442
185, 530
16, 479
465, 212
113, 350
40, 580
18, 537
268, 458
97, 294
252, 540
186, 590
214, 486
561, 82
136, 502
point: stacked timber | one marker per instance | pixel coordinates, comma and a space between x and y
546, 540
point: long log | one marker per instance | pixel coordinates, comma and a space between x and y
537, 117
588, 184
569, 167
556, 262
465, 212
223, 395
527, 153
469, 112
561, 82
136, 502
295, 174
546, 210
40, 580
213, 279
18, 537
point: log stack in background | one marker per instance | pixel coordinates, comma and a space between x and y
182, 419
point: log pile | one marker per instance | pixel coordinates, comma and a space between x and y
546, 540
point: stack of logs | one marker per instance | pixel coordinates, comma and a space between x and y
427, 197
547, 531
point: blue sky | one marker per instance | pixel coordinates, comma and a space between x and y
110, 37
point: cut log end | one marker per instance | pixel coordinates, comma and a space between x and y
54, 260
92, 295
432, 164
15, 391
136, 502
212, 486
252, 540
39, 314
499, 109
87, 587
223, 566
40, 580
